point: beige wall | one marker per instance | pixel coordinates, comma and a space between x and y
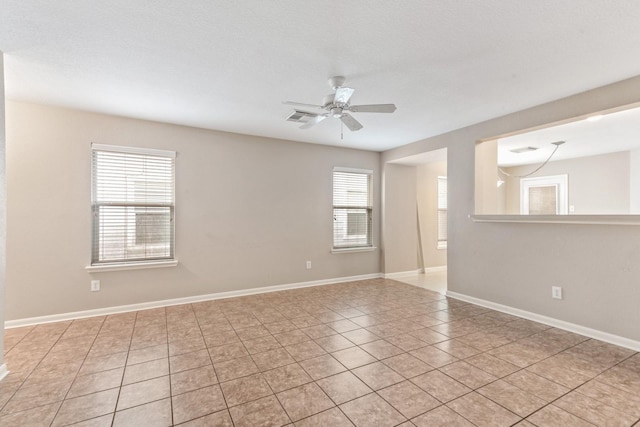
400, 228
488, 197
634, 182
3, 212
516, 264
427, 188
597, 184
249, 212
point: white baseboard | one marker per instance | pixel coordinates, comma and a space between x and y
3, 371
177, 301
572, 327
556, 323
400, 274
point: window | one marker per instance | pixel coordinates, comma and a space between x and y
132, 202
545, 195
352, 208
442, 212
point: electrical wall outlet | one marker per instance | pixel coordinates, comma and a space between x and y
308, 265
556, 292
95, 285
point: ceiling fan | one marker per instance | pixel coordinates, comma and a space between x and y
336, 105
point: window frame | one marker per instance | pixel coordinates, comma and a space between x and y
368, 210
97, 264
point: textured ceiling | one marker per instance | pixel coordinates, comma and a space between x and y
227, 65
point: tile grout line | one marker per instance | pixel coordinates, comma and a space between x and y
166, 325
35, 367
213, 366
519, 370
541, 360
575, 389
360, 301
79, 368
124, 368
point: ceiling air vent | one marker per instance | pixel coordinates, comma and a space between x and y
523, 149
300, 116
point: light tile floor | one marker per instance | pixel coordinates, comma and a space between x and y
433, 280
368, 353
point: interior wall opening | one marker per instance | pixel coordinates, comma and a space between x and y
426, 217
586, 166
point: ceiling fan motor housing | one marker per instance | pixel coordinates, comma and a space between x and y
336, 82
328, 100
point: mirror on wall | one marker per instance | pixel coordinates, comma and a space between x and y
588, 166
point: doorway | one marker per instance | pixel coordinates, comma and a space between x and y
431, 214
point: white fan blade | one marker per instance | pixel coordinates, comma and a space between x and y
342, 95
314, 121
300, 104
373, 108
350, 122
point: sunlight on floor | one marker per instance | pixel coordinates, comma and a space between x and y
434, 281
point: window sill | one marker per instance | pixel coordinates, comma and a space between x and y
560, 219
349, 250
441, 245
130, 266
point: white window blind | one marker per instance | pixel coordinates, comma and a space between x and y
132, 204
352, 208
442, 212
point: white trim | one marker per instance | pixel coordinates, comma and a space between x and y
3, 371
556, 323
177, 301
130, 266
349, 250
400, 274
352, 170
133, 150
559, 182
442, 244
561, 219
